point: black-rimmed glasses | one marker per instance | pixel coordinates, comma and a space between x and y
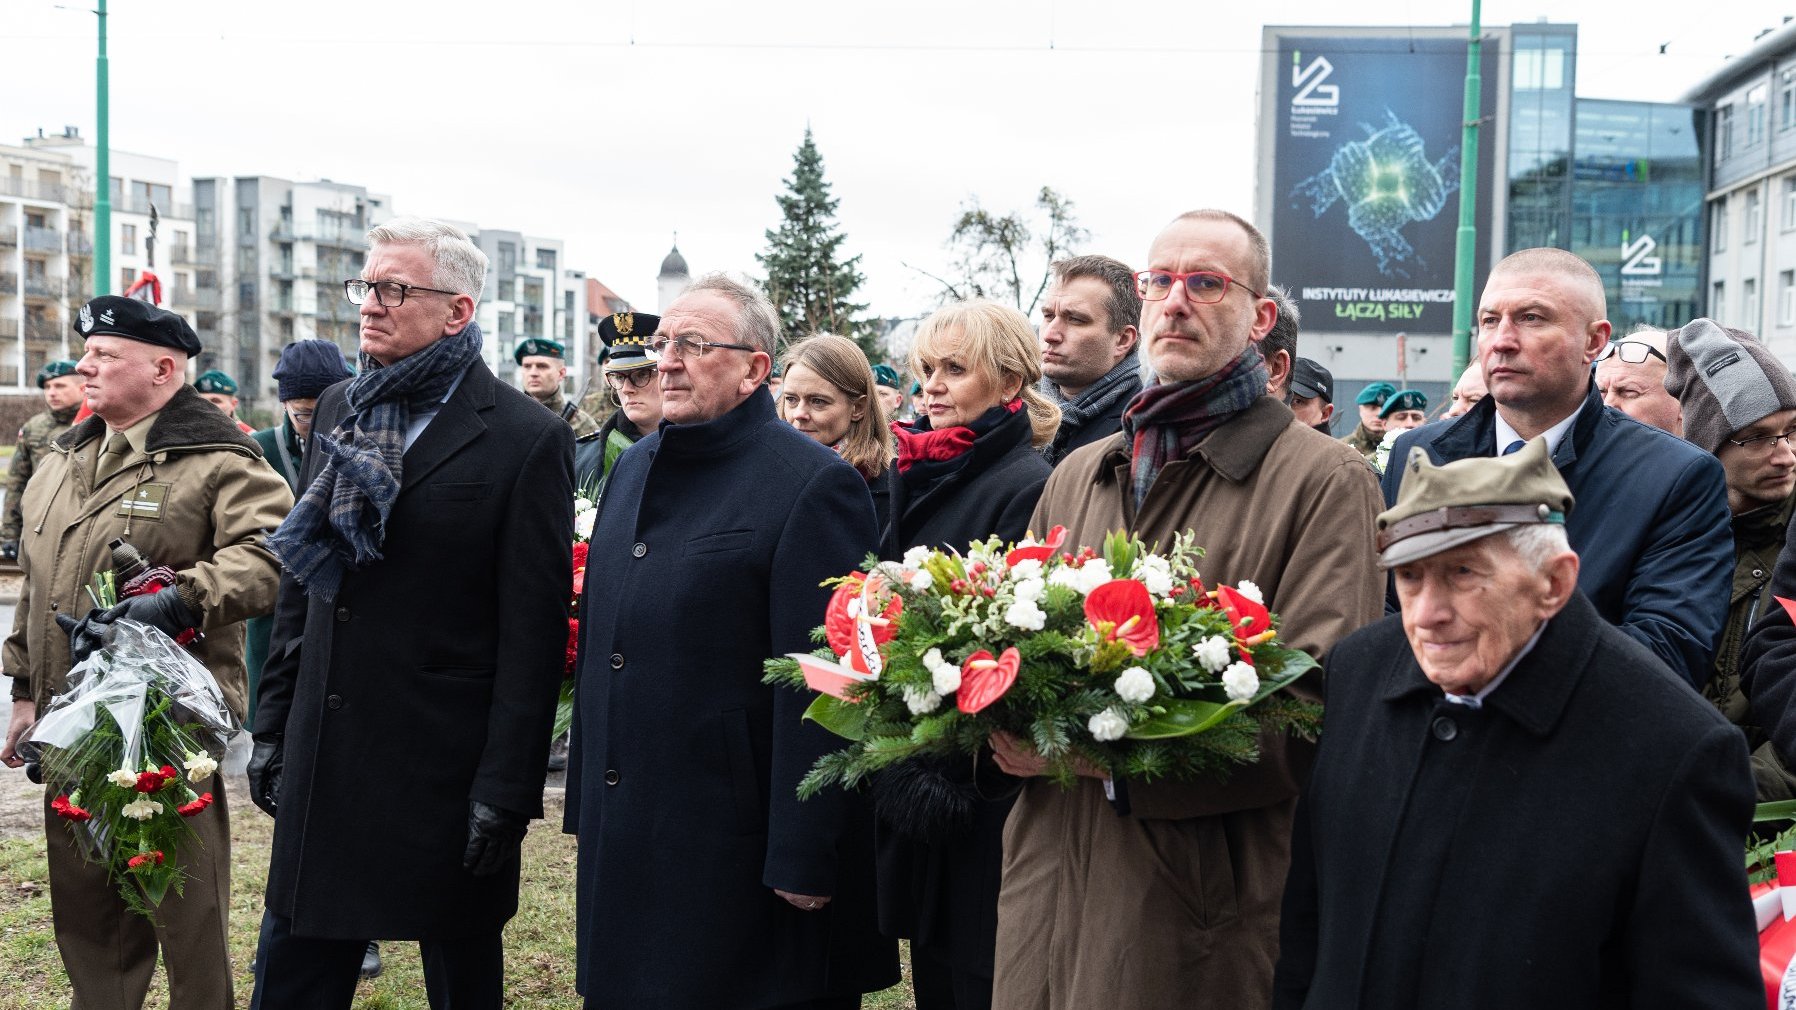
635, 378
390, 294
1633, 352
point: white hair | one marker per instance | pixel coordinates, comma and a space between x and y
460, 265
757, 323
1538, 543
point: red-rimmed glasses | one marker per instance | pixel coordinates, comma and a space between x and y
1202, 286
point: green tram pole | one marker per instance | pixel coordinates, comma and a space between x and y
102, 283
1465, 255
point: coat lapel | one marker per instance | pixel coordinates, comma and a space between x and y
455, 425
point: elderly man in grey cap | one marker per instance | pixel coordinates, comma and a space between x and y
1739, 403
1508, 780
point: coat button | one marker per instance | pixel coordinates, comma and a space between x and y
612, 777
334, 702
639, 550
342, 613
1444, 728
1758, 573
617, 661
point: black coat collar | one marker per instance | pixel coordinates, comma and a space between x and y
720, 436
1475, 433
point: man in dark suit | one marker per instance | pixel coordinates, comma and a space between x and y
1088, 362
703, 880
1515, 804
403, 725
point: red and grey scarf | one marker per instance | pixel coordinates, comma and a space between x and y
1167, 420
932, 452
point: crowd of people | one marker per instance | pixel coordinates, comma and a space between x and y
1556, 676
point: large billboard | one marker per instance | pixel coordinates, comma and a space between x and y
1365, 201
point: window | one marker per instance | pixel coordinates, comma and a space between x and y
1755, 222
246, 221
1724, 133
1718, 224
1786, 99
1755, 114
545, 259
1786, 298
127, 239
507, 324
1749, 303
508, 291
508, 257
1540, 69
1790, 202
1718, 303
126, 278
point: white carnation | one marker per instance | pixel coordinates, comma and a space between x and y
1029, 589
1240, 681
582, 504
915, 557
1108, 725
1157, 578
200, 766
1251, 591
141, 809
947, 678
1026, 569
1135, 685
124, 778
921, 580
1064, 576
1026, 615
1093, 574
583, 523
921, 702
1213, 653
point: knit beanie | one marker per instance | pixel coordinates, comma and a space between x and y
1725, 380
307, 368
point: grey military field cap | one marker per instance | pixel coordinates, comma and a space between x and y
1441, 507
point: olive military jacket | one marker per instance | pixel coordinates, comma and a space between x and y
1758, 537
27, 453
200, 500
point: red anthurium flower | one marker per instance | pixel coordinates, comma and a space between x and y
984, 680
68, 810
1056, 537
1122, 611
839, 621
1245, 616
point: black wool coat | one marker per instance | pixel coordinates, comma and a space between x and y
428, 681
1768, 659
706, 559
1576, 842
938, 883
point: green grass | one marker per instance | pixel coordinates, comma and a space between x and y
539, 942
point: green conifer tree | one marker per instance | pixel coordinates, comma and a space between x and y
809, 283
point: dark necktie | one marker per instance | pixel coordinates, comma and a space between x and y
1515, 446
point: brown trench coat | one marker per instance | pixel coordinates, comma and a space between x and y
1176, 903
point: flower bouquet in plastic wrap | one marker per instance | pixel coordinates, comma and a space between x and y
1121, 660
140, 724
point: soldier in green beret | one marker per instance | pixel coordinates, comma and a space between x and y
886, 387
62, 393
542, 368
220, 390
1370, 431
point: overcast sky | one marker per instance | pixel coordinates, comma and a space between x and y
613, 124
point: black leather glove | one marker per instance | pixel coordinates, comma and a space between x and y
266, 759
84, 635
163, 611
493, 838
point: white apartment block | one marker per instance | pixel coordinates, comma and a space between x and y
1752, 191
529, 293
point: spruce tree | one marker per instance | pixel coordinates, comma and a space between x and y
808, 282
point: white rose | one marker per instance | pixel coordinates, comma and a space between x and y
1108, 725
921, 702
947, 678
1026, 569
124, 778
915, 557
921, 580
140, 809
1240, 681
583, 523
1251, 591
1026, 615
1135, 685
200, 766
1029, 589
1213, 653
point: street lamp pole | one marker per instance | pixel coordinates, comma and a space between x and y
102, 283
1465, 255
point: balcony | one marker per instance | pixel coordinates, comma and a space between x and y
9, 283
206, 256
180, 255
9, 235
208, 299
43, 287
31, 189
42, 329
42, 239
182, 298
79, 244
282, 232
9, 329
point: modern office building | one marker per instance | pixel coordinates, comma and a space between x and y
1752, 189
1359, 143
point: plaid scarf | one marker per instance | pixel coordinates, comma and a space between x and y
1118, 385
340, 522
1167, 420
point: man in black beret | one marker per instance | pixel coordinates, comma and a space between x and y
159, 467
62, 394
542, 368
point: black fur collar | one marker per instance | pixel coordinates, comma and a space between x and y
186, 422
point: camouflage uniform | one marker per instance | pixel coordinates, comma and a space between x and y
27, 453
1364, 439
582, 422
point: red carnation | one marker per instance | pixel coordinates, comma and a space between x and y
573, 646
68, 810
151, 858
189, 809
149, 782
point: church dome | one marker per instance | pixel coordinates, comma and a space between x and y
675, 265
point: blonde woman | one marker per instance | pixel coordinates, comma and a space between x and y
830, 395
969, 467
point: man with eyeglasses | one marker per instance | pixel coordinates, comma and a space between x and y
402, 732
1651, 527
703, 881
1739, 402
1130, 893
632, 383
1630, 376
